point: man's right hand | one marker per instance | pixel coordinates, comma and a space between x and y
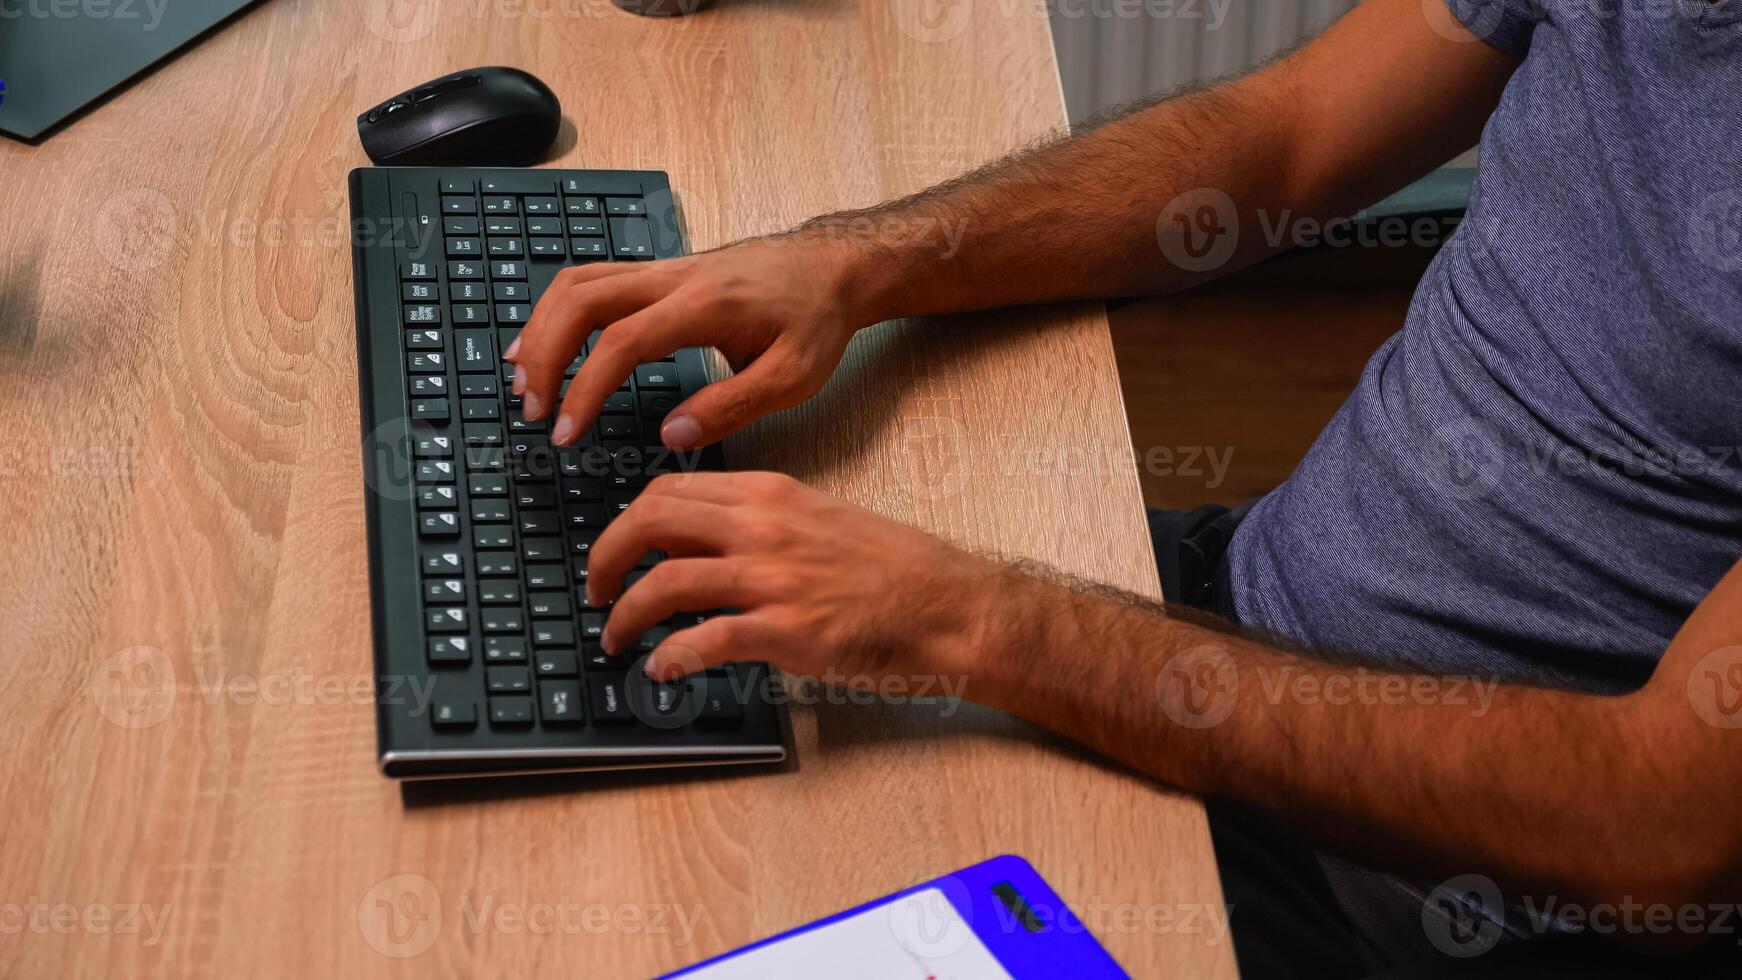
781, 310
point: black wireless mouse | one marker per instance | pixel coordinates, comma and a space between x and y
480, 117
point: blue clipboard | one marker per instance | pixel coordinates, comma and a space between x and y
998, 918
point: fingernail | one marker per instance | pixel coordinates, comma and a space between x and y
534, 409
606, 639
519, 380
564, 431
654, 667
591, 601
681, 432
509, 353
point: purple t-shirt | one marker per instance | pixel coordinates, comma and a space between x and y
1538, 477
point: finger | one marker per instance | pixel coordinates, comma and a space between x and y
544, 354
665, 523
768, 385
673, 586
569, 278
647, 335
719, 640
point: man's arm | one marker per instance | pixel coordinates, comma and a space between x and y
1596, 799
1378, 99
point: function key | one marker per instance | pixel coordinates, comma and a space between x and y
625, 205
426, 361
456, 185
459, 271
429, 384
439, 524
459, 205
444, 563
450, 650
435, 471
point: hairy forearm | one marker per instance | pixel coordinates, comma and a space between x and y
1591, 796
1081, 217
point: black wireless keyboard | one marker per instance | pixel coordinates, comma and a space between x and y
487, 658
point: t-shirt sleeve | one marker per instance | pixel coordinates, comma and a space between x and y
1505, 24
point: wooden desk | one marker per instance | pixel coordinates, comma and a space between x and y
185, 722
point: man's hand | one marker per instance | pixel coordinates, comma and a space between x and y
780, 309
824, 586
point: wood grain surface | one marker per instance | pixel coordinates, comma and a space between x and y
187, 744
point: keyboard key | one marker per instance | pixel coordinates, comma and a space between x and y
549, 246
488, 485
423, 340
466, 292
475, 351
444, 563
464, 248
500, 205
429, 384
458, 271
430, 409
651, 639
517, 182
432, 445
656, 405
631, 237
513, 312
534, 522
449, 651
460, 226
507, 270
501, 621
504, 649
445, 591
541, 205
492, 536
625, 205
541, 549
592, 626
507, 248
435, 471
424, 362
437, 498
552, 605
560, 702
719, 704
449, 620
498, 592
453, 714
418, 292
556, 663
489, 511
482, 434
544, 226
497, 563
459, 205
583, 206
553, 634
609, 701
589, 248
511, 292
665, 699
478, 408
478, 384
417, 270
456, 185
586, 227
544, 576
511, 711
502, 226
507, 680
422, 313
656, 377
